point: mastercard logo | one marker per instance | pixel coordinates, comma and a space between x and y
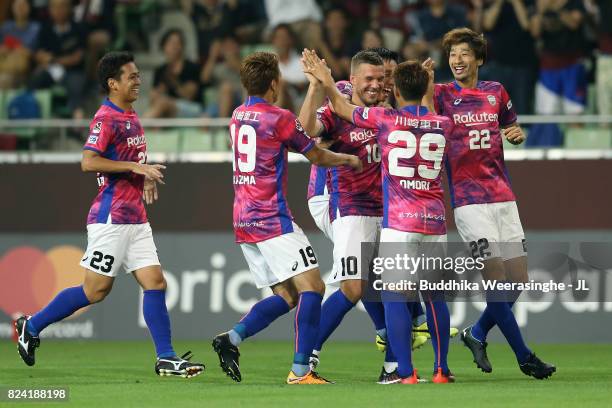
31, 277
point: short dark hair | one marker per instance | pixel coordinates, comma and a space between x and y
475, 41
257, 72
169, 33
411, 79
386, 54
110, 67
365, 57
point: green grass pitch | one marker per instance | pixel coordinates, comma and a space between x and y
120, 374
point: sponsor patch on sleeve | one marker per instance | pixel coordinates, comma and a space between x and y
97, 127
93, 139
509, 104
364, 113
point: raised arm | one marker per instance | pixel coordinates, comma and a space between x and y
316, 67
312, 102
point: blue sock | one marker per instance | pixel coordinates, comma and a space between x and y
307, 322
259, 317
158, 321
399, 331
416, 310
504, 319
376, 311
389, 355
485, 323
438, 322
332, 313
63, 305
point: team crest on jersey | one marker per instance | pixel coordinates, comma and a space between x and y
128, 125
97, 127
491, 100
457, 101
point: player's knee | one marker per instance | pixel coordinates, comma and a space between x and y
352, 290
318, 286
97, 293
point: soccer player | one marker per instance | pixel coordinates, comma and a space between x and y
277, 251
484, 205
118, 233
412, 144
318, 194
355, 204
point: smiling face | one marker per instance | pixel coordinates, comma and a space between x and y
127, 87
463, 62
368, 82
389, 67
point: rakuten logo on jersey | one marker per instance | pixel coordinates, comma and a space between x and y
472, 119
136, 141
362, 135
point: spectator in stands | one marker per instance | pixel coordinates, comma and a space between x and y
506, 24
604, 57
429, 26
97, 17
333, 43
561, 87
176, 85
222, 71
18, 39
213, 20
294, 82
303, 16
59, 58
371, 38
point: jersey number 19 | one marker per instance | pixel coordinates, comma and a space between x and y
246, 144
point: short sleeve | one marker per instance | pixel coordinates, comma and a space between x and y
292, 134
437, 100
369, 118
326, 117
507, 114
100, 135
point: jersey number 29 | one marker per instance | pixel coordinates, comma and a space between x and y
245, 143
424, 145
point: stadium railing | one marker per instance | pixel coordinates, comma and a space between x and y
206, 140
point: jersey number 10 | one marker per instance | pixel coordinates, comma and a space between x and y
245, 143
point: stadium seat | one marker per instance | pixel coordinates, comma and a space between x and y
588, 138
3, 105
196, 140
162, 141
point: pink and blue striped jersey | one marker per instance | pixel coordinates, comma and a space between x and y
261, 135
319, 175
116, 134
350, 192
413, 145
476, 169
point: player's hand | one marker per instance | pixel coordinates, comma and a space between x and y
355, 163
514, 135
316, 66
149, 193
150, 171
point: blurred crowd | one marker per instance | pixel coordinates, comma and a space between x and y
545, 52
